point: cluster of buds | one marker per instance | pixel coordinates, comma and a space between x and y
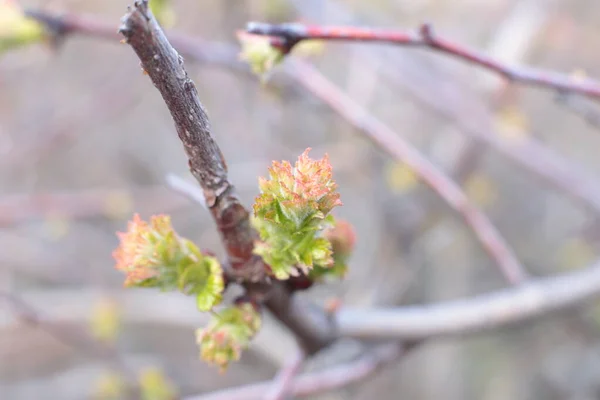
153, 255
228, 333
299, 239
291, 211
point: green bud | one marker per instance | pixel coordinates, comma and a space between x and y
228, 333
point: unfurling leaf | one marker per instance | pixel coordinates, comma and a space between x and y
342, 239
290, 213
16, 29
228, 333
153, 255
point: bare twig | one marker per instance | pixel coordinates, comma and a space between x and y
293, 33
184, 187
477, 314
589, 112
282, 383
394, 145
321, 381
62, 25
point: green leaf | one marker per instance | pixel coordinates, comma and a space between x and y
203, 279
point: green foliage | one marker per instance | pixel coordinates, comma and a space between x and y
342, 239
291, 211
153, 255
228, 333
163, 11
297, 234
16, 29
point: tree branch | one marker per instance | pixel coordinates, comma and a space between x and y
557, 171
62, 25
294, 33
165, 67
477, 314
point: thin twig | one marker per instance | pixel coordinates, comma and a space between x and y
185, 188
282, 384
321, 381
398, 148
424, 37
62, 25
589, 112
538, 298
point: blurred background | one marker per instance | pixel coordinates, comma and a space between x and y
86, 141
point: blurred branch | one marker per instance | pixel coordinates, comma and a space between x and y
292, 34
72, 337
393, 144
72, 307
320, 381
536, 298
85, 203
581, 108
61, 26
284, 380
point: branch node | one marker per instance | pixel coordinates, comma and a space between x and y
426, 31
